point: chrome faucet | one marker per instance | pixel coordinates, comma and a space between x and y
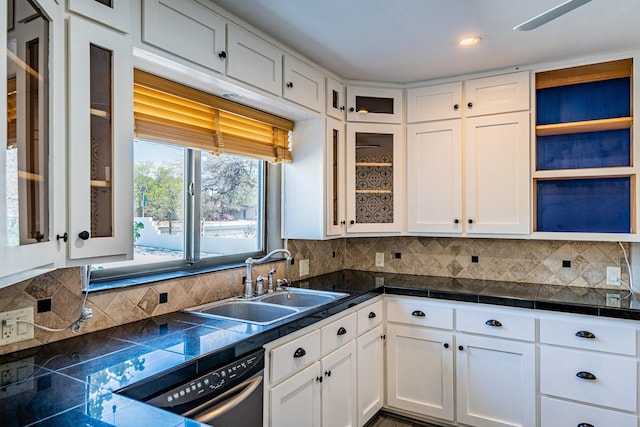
250, 262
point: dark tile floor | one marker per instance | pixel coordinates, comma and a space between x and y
384, 419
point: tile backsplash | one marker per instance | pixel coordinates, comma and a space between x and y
529, 261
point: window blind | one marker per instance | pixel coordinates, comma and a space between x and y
171, 112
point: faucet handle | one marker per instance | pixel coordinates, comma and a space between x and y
259, 285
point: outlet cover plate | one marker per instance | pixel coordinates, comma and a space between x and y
613, 276
304, 267
379, 259
10, 331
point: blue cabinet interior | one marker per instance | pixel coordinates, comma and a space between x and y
593, 205
588, 205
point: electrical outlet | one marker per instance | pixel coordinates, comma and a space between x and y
613, 276
14, 331
379, 259
304, 267
16, 377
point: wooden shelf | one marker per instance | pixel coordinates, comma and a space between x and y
374, 165
585, 74
585, 126
100, 183
30, 176
374, 191
100, 113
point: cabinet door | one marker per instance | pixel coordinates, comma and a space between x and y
497, 174
374, 104
370, 353
497, 94
253, 61
33, 107
101, 141
189, 21
374, 166
335, 99
496, 382
296, 401
434, 177
303, 85
420, 371
114, 13
339, 387
433, 103
336, 180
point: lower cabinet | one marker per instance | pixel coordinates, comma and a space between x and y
370, 352
296, 401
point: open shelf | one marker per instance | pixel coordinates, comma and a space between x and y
100, 113
374, 165
584, 126
374, 191
96, 183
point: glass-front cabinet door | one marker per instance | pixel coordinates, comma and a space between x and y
374, 170
27, 241
335, 150
101, 142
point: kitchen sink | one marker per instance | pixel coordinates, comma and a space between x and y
266, 309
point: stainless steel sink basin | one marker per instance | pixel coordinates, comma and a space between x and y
248, 311
269, 308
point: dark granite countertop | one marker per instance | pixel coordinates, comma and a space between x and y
74, 382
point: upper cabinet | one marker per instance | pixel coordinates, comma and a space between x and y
374, 104
335, 99
189, 22
304, 85
114, 13
497, 94
30, 85
101, 142
585, 174
438, 102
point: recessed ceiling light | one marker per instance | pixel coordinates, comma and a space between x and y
469, 40
231, 95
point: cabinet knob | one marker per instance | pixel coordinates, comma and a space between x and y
418, 313
222, 54
456, 221
585, 425
584, 375
470, 221
372, 315
352, 222
327, 373
84, 235
492, 322
342, 331
299, 352
64, 237
455, 107
351, 109
585, 334
461, 348
290, 84
470, 105
446, 345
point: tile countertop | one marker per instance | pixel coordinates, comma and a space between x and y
73, 382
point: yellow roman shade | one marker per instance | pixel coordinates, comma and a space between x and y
168, 111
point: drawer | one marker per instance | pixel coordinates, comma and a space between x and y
419, 311
560, 413
600, 336
338, 333
369, 317
294, 355
615, 383
496, 323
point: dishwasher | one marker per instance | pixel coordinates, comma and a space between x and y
227, 396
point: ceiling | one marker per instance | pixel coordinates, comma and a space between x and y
404, 41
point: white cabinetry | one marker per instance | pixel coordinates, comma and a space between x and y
335, 168
370, 352
374, 104
296, 402
437, 102
335, 99
304, 85
100, 141
253, 60
497, 94
114, 13
190, 21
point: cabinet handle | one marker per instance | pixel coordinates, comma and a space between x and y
319, 379
470, 221
342, 331
583, 375
456, 221
290, 84
64, 237
455, 107
327, 373
418, 313
342, 108
461, 348
372, 315
446, 345
222, 54
585, 425
383, 337
299, 352
343, 222
492, 322
84, 235
470, 105
585, 334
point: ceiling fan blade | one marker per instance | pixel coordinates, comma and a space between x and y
550, 15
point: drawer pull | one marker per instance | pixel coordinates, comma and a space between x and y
583, 375
585, 334
372, 315
327, 373
585, 425
418, 313
299, 352
492, 322
342, 331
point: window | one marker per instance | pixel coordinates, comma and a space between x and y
201, 181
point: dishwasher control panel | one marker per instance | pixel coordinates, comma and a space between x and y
212, 383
